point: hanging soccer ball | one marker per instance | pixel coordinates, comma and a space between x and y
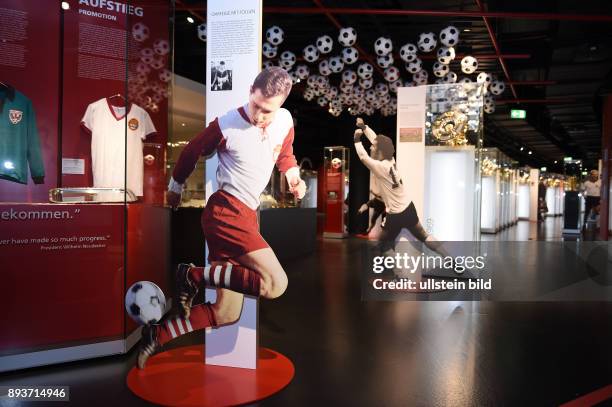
427, 42
450, 77
394, 86
392, 74
145, 302
309, 94
287, 59
202, 32
366, 83
385, 61
302, 71
365, 70
140, 32
382, 46
347, 36
161, 47
324, 68
147, 55
142, 68
294, 77
414, 66
325, 44
310, 53
446, 55
274, 35
370, 95
350, 55
336, 64
268, 50
469, 64
358, 92
347, 87
312, 81
332, 93
158, 63
349, 77
322, 101
381, 89
440, 69
286, 64
165, 76
322, 81
336, 104
449, 36
408, 52
465, 80
497, 87
484, 78
268, 64
420, 78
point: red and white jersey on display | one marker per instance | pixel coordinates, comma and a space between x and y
247, 154
106, 124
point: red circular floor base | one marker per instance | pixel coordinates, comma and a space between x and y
179, 377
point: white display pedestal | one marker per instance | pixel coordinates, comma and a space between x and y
523, 202
550, 201
488, 212
449, 212
534, 180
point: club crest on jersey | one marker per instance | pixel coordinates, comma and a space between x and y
276, 152
133, 124
15, 116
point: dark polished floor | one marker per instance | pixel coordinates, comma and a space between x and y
354, 353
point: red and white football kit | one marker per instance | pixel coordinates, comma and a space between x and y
247, 155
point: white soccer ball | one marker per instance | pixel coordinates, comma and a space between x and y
408, 52
420, 78
145, 302
484, 78
450, 77
489, 107
147, 55
349, 77
336, 64
142, 68
392, 74
268, 50
158, 63
465, 80
286, 64
322, 101
414, 66
268, 64
446, 55
312, 81
140, 32
310, 53
332, 93
324, 68
309, 94
366, 83
165, 76
427, 42
347, 36
161, 47
350, 55
302, 71
325, 44
440, 69
385, 61
365, 70
382, 89
275, 35
497, 87
382, 46
346, 87
370, 95
335, 104
394, 86
469, 64
202, 32
322, 82
449, 37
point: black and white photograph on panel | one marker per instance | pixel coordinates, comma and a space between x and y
221, 74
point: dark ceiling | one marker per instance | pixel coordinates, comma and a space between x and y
557, 63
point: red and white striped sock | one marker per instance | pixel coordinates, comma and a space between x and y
202, 316
227, 275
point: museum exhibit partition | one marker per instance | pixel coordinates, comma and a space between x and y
84, 90
439, 135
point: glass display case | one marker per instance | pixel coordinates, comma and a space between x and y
84, 176
490, 190
335, 191
523, 194
453, 136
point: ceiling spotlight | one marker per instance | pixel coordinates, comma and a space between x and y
190, 20
65, 5
529, 153
555, 161
522, 148
466, 30
183, 124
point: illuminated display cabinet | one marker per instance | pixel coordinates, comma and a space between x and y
335, 189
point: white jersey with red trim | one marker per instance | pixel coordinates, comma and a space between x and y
247, 154
107, 126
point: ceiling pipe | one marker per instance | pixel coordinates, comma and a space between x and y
497, 49
180, 6
534, 101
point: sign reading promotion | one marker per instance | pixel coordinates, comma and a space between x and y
233, 60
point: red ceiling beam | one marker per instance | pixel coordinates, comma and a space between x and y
439, 13
535, 101
497, 49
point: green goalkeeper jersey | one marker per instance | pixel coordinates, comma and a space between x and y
19, 141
